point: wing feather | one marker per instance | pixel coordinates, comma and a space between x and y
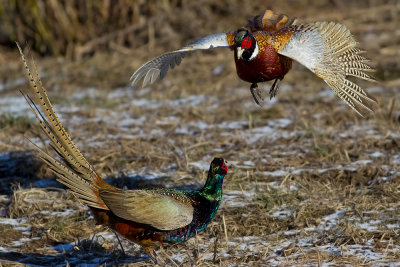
162, 209
159, 66
329, 50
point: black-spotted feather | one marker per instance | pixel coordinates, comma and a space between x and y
81, 178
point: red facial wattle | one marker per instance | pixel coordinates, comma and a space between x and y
224, 167
246, 43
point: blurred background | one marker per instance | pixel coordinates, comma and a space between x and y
78, 28
135, 31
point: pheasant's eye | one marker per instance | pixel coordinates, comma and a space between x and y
239, 37
246, 43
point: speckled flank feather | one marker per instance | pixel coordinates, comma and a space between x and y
329, 50
84, 186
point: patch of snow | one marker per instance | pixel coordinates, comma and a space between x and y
377, 154
233, 125
235, 198
24, 229
331, 220
65, 213
370, 225
364, 251
280, 123
395, 160
89, 92
249, 163
202, 165
12, 83
120, 92
305, 242
277, 173
13, 222
129, 121
15, 106
392, 226
271, 132
22, 241
168, 120
157, 132
145, 103
326, 93
291, 232
282, 214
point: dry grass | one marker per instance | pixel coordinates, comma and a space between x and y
317, 185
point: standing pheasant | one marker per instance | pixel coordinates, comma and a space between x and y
146, 217
265, 48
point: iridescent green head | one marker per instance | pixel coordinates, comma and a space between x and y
218, 166
212, 190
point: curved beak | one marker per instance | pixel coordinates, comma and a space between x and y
239, 52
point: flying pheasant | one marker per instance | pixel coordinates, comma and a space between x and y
146, 217
265, 48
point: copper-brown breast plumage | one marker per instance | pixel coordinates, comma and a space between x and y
268, 64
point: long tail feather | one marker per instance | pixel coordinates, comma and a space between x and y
329, 50
79, 176
342, 59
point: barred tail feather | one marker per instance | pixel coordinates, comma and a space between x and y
342, 59
79, 175
84, 191
329, 50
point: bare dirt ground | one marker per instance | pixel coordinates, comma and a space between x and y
309, 183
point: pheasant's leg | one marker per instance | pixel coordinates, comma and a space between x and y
274, 88
256, 93
152, 254
119, 241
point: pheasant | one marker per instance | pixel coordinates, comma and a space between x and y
265, 48
148, 217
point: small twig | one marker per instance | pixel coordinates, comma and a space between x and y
169, 257
225, 229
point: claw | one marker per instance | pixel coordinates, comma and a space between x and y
119, 241
256, 93
152, 254
274, 88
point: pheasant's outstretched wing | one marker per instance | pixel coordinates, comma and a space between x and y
158, 67
329, 50
163, 209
